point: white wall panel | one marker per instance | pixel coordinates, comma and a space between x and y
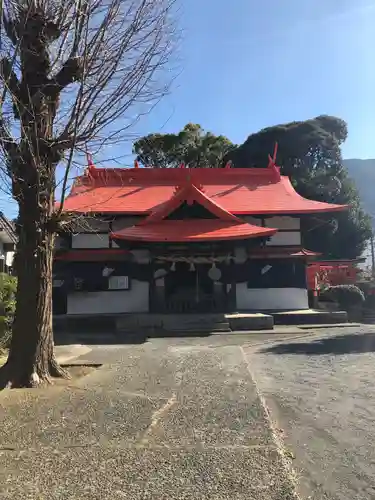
90, 224
283, 222
111, 302
90, 240
286, 238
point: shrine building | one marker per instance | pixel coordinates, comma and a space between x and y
150, 240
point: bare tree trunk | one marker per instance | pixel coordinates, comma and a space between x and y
109, 53
31, 358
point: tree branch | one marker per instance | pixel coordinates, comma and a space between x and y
11, 83
7, 142
71, 72
9, 77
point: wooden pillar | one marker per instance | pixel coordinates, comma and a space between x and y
232, 300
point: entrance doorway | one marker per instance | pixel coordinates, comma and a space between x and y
188, 288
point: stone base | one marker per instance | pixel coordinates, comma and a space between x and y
141, 326
172, 324
251, 321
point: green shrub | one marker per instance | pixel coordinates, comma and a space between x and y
8, 287
347, 296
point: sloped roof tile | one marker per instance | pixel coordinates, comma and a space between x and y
143, 190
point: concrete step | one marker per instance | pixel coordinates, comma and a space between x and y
250, 321
215, 327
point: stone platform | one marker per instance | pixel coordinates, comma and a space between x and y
161, 325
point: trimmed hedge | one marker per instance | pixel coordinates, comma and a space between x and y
347, 296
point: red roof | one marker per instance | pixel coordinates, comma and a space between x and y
192, 230
142, 190
190, 193
224, 226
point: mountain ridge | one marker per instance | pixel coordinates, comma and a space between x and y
363, 174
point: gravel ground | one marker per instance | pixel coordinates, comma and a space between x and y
320, 391
161, 421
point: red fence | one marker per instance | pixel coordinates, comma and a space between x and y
331, 273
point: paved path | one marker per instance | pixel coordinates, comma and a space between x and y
321, 393
165, 420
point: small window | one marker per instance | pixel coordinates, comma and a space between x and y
118, 283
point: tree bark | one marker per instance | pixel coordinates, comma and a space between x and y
31, 359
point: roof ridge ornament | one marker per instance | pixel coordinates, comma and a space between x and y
188, 181
272, 162
90, 164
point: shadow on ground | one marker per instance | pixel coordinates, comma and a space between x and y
69, 339
340, 344
113, 339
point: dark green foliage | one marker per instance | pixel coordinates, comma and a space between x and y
8, 287
309, 153
347, 296
192, 146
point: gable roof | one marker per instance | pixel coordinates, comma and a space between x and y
157, 228
190, 193
143, 190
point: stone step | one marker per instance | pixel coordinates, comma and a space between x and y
216, 327
250, 321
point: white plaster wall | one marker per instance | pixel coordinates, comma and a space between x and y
122, 222
283, 222
258, 299
90, 241
285, 239
110, 302
90, 224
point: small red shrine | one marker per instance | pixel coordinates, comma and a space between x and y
183, 240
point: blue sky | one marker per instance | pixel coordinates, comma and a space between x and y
248, 64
